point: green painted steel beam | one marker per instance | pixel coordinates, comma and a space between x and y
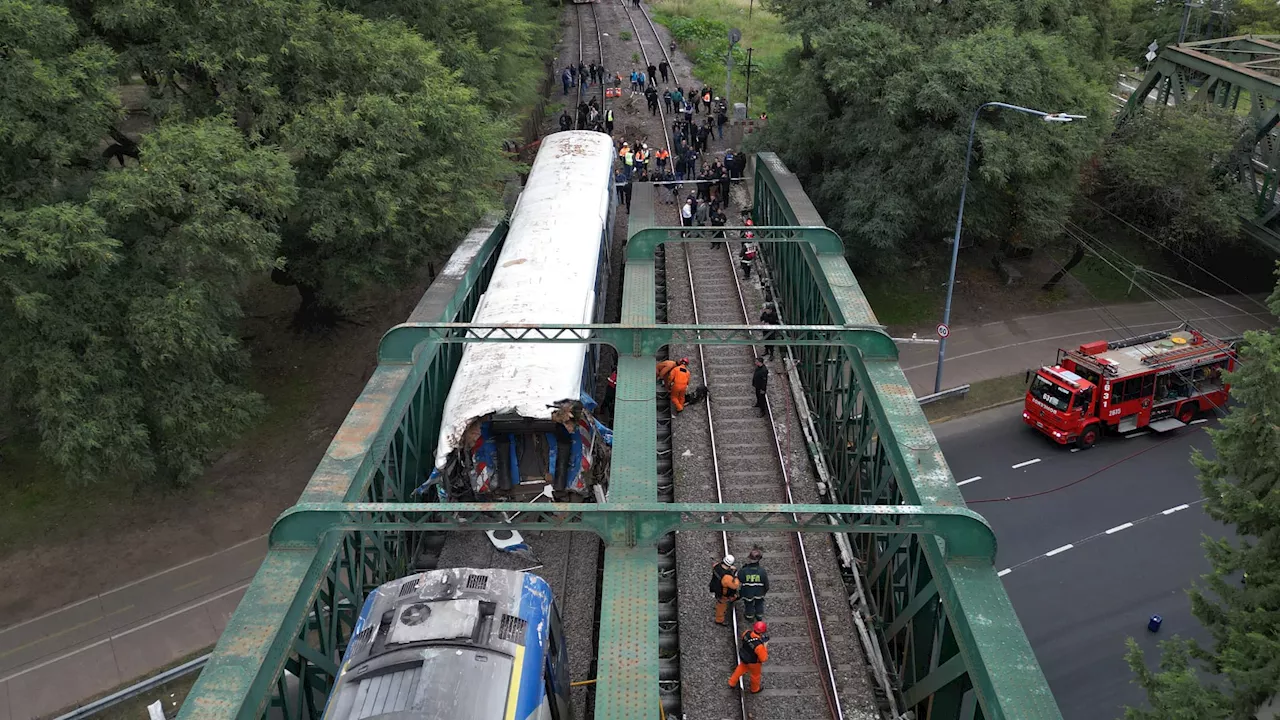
642, 243
965, 533
627, 652
398, 346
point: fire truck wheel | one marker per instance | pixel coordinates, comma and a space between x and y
1187, 413
1088, 437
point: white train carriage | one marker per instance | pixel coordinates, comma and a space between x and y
519, 415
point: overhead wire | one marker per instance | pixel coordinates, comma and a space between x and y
1188, 260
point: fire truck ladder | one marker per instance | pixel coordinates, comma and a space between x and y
1183, 354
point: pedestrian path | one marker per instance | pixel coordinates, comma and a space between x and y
1007, 347
90, 647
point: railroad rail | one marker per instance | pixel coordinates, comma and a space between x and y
582, 57
644, 54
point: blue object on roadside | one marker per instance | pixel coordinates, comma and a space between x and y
1153, 624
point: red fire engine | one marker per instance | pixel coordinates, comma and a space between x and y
1160, 380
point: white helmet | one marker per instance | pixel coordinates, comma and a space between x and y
728, 559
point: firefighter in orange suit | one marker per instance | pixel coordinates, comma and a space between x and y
753, 652
676, 375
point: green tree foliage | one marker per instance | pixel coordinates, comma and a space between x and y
56, 100
1175, 692
359, 105
874, 111
494, 45
120, 315
1175, 170
1241, 485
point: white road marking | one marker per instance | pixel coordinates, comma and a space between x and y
1075, 450
129, 631
1004, 572
1118, 528
1024, 464
975, 478
1173, 510
1201, 420
1062, 549
1140, 433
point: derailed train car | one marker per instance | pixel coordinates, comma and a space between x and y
519, 416
457, 643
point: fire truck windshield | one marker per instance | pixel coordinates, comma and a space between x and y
1050, 393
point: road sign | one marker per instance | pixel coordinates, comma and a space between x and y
943, 331
1150, 56
734, 36
1154, 46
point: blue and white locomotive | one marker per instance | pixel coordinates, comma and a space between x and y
459, 644
518, 418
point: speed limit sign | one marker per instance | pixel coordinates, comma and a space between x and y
943, 331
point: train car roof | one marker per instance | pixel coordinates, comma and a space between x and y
546, 273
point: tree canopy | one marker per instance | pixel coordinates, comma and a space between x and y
874, 114
1175, 170
333, 147
1237, 602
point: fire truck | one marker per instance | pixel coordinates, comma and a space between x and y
1160, 381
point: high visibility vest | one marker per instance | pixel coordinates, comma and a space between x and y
622, 153
608, 115
629, 157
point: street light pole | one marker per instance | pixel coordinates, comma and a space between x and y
964, 187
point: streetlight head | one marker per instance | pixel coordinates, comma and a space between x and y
1062, 117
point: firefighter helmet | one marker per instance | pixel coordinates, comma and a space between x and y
760, 627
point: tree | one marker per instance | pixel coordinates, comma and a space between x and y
1241, 485
118, 328
875, 116
360, 106
1175, 691
1175, 170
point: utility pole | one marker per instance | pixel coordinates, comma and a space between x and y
734, 36
747, 102
1186, 16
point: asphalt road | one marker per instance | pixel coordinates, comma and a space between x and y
1086, 564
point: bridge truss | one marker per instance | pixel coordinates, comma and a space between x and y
948, 632
1227, 72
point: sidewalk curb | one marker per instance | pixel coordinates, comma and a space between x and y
984, 408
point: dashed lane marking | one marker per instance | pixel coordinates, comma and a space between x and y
975, 478
1095, 536
1075, 450
1032, 461
1140, 433
1201, 420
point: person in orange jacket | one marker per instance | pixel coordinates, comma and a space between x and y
753, 653
724, 585
676, 376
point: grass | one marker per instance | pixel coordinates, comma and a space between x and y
37, 502
1108, 284
171, 694
982, 395
763, 32
895, 305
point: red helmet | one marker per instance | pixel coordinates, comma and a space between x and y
749, 222
760, 627
684, 361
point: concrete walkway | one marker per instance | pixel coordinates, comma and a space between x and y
1012, 346
51, 662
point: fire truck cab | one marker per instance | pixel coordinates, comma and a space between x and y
1160, 380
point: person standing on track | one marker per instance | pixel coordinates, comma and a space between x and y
653, 75
746, 258
666, 101
724, 585
665, 68
760, 381
651, 95
755, 581
753, 653
769, 316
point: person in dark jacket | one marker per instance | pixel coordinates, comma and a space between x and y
566, 122
755, 585
753, 653
665, 68
760, 381
653, 75
769, 317
724, 585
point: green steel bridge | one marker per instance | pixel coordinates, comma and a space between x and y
947, 629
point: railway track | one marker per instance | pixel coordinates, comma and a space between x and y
652, 58
583, 58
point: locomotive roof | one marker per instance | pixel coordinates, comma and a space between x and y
546, 273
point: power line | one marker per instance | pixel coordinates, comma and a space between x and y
1191, 262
